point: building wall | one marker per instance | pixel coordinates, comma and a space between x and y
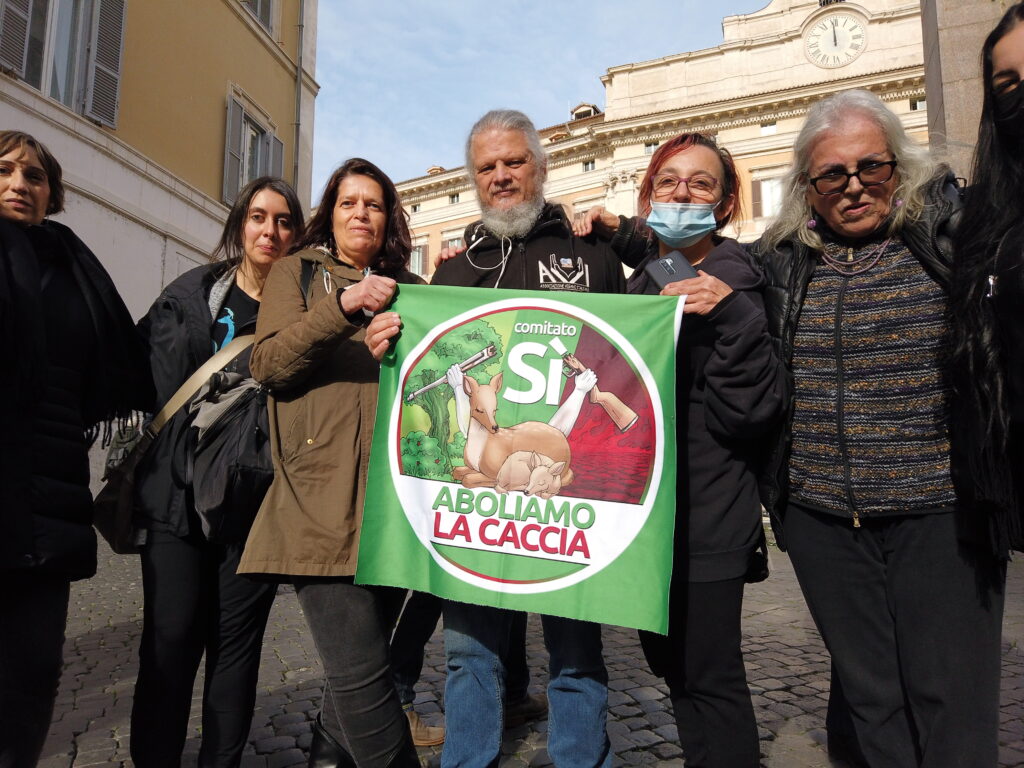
752, 92
174, 97
146, 195
954, 31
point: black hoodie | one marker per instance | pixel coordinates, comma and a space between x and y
548, 258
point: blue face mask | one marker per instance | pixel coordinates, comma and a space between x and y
679, 225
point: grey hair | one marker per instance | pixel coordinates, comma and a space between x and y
508, 120
915, 168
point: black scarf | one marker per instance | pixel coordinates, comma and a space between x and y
120, 379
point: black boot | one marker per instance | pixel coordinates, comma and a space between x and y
325, 751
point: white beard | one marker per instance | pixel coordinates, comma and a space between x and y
513, 222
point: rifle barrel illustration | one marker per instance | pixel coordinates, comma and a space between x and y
472, 361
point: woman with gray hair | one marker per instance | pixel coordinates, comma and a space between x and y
905, 594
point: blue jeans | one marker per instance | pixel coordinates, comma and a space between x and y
476, 640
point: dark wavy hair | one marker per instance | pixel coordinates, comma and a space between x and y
993, 204
12, 140
229, 247
393, 256
671, 148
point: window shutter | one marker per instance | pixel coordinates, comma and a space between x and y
104, 67
755, 198
14, 16
277, 157
233, 152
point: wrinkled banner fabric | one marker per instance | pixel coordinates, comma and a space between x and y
502, 475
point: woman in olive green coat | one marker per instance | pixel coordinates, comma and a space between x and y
309, 351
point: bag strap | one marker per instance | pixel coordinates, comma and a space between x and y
192, 384
307, 277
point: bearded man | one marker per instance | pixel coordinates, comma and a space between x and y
520, 242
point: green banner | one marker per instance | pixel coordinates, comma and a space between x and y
524, 453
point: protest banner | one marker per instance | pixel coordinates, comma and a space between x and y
501, 474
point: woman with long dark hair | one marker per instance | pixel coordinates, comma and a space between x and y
310, 354
194, 602
987, 296
75, 366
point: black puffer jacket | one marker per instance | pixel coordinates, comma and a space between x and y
177, 331
77, 365
788, 270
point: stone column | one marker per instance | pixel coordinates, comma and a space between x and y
953, 31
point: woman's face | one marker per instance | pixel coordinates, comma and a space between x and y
857, 211
269, 230
698, 173
360, 219
1008, 61
24, 186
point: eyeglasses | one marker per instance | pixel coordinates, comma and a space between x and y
701, 186
869, 176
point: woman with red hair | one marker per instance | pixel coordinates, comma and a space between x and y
730, 393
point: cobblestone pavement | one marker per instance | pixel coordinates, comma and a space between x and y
787, 665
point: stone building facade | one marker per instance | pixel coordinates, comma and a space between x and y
752, 92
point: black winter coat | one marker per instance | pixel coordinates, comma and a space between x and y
730, 390
788, 270
77, 366
178, 334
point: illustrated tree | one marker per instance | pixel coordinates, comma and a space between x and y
454, 347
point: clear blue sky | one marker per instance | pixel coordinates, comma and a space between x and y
402, 81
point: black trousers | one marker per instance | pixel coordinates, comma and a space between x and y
195, 602
350, 625
415, 627
702, 664
913, 619
33, 615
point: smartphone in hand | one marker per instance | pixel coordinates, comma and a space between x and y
670, 268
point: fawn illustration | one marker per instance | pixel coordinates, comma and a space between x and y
489, 447
531, 473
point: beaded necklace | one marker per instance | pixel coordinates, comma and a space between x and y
855, 266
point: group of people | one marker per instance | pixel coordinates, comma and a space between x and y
853, 371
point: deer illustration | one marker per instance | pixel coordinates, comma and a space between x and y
489, 446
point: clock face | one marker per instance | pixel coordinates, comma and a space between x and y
835, 40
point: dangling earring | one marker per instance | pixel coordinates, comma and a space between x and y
899, 202
812, 223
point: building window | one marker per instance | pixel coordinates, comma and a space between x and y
769, 129
415, 207
589, 165
918, 105
453, 198
261, 10
418, 259
650, 146
68, 49
453, 242
766, 196
251, 150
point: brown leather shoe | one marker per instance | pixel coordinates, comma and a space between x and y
423, 735
530, 707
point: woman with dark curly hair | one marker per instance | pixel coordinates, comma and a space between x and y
309, 352
987, 296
